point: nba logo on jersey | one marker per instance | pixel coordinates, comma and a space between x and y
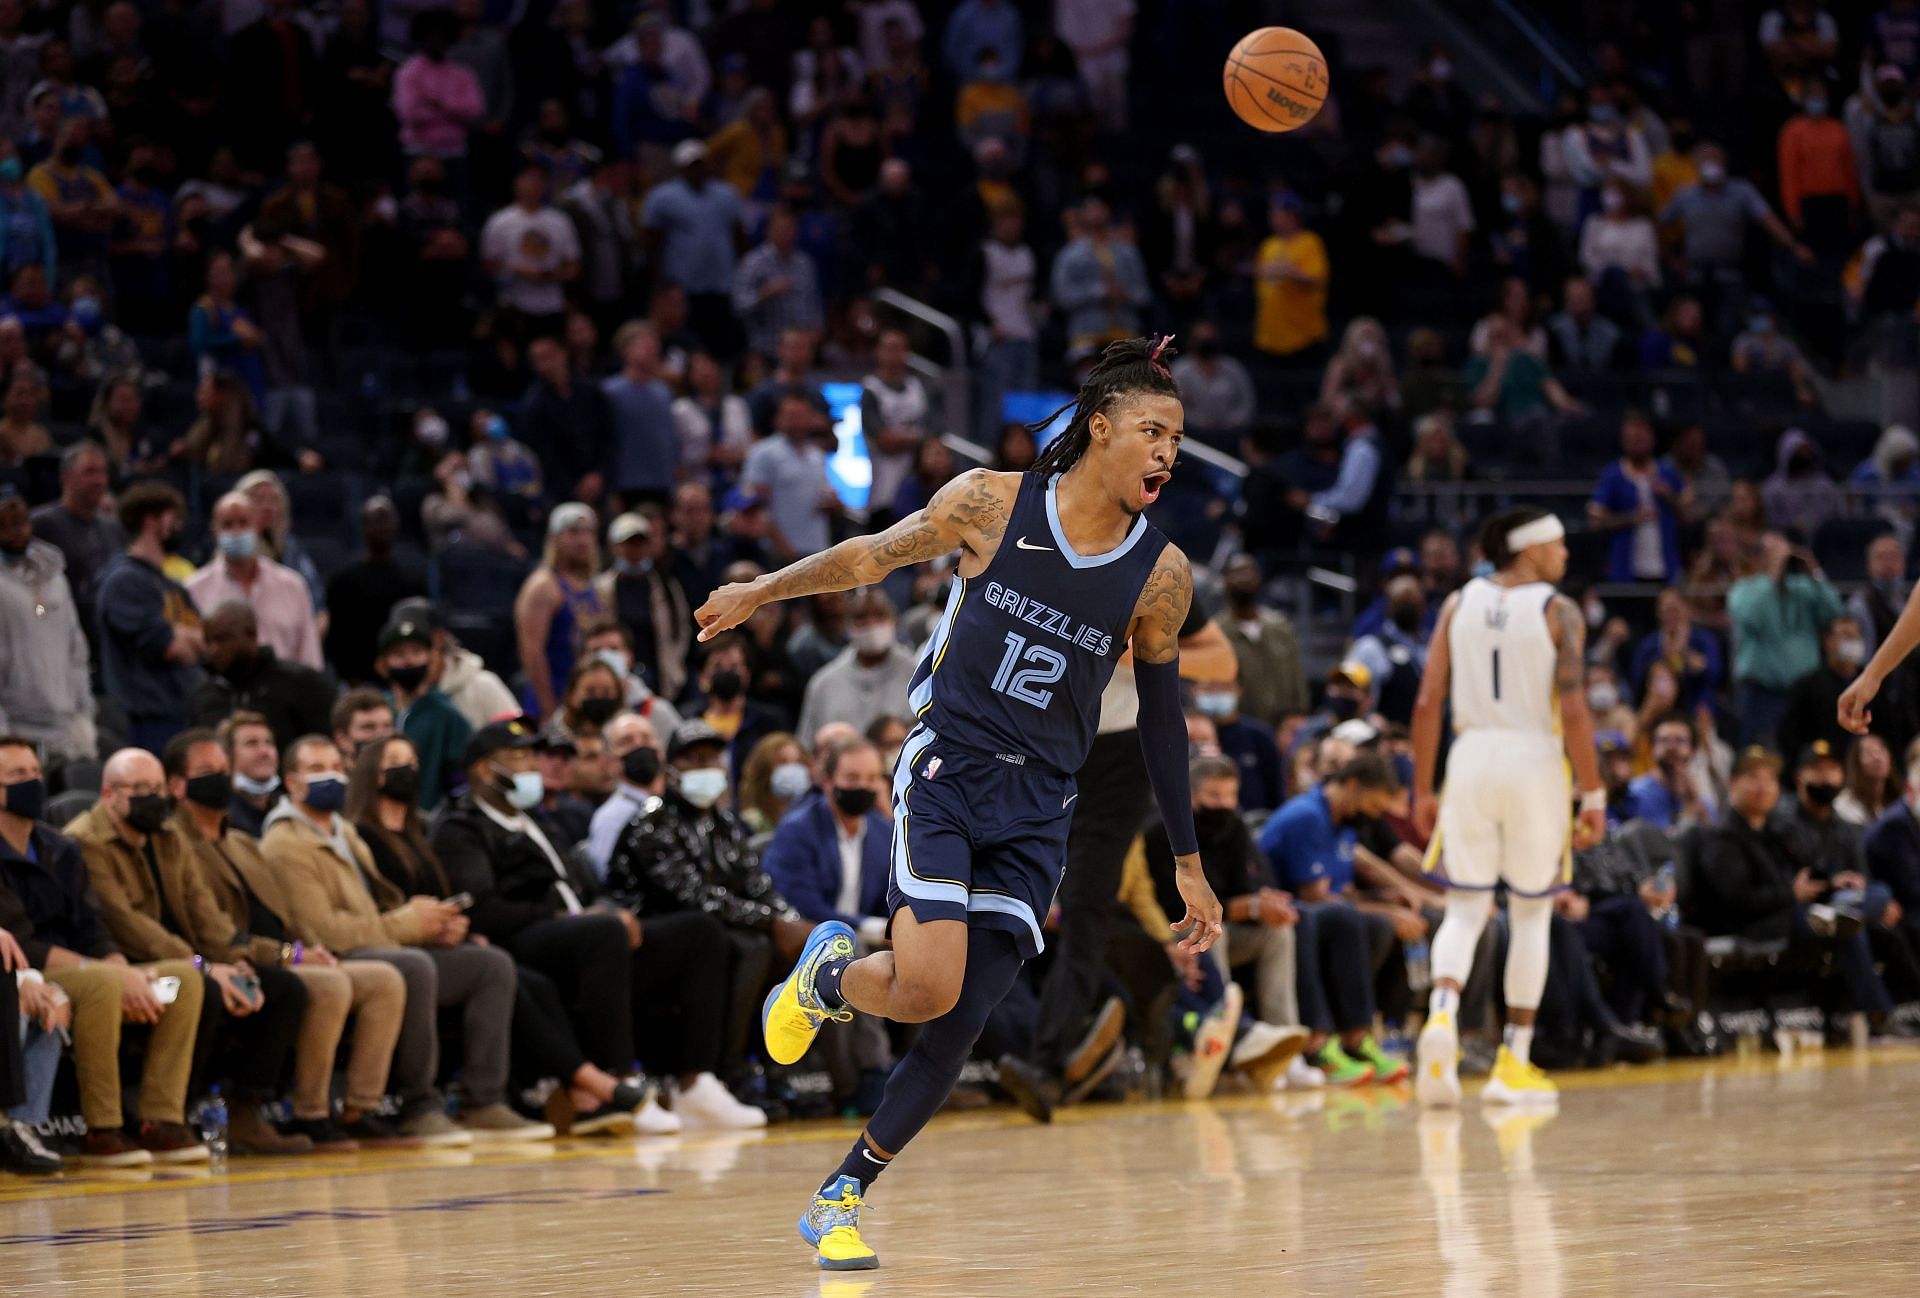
933, 768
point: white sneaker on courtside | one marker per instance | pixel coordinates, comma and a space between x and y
708, 1105
652, 1120
1301, 1076
1437, 1063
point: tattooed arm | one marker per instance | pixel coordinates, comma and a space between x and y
1162, 609
1576, 722
969, 513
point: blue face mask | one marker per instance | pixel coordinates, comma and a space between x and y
1603, 115
239, 546
703, 787
326, 792
528, 788
791, 780
1484, 568
497, 429
1217, 705
86, 312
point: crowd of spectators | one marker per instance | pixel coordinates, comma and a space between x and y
383, 387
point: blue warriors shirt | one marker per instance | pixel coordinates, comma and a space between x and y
1015, 668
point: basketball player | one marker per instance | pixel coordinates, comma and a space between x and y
1510, 652
1058, 573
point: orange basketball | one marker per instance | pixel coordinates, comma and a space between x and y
1276, 79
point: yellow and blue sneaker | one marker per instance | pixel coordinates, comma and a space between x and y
832, 1225
793, 1012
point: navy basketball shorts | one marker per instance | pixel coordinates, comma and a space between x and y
977, 839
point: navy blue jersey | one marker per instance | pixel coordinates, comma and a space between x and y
1015, 668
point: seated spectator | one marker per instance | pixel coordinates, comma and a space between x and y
612, 643
282, 606
150, 635
1310, 842
688, 855
1396, 652
255, 760
1273, 684
1610, 708
554, 601
634, 747
360, 717
425, 715
869, 678
1813, 704
1872, 785
1639, 501
34, 1016
1513, 385
1516, 307
593, 694
1362, 370
46, 907
773, 779
339, 899
45, 694
457, 671
245, 675
643, 596
1749, 884
1891, 852
505, 467
247, 905
1888, 481
1690, 652
1580, 339
1779, 617
1761, 349
1679, 341
1669, 796
719, 698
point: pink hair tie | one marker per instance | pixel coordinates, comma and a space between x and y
1159, 346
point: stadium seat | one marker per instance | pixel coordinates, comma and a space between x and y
63, 807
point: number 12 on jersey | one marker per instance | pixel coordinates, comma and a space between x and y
1048, 667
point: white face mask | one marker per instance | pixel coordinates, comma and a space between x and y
791, 780
703, 787
1851, 652
1603, 698
616, 659
876, 638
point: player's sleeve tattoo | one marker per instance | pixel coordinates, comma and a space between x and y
1570, 637
968, 509
1162, 608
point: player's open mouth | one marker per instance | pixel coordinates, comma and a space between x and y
1151, 484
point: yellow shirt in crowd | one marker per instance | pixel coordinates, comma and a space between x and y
1290, 315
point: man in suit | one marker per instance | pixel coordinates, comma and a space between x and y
829, 857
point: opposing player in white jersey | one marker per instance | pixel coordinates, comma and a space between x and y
1508, 651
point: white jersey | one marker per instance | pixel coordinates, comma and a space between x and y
1503, 659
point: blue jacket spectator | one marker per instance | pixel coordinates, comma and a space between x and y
1306, 846
831, 855
26, 231
150, 638
1692, 652
1637, 499
1892, 849
978, 25
1099, 283
1249, 743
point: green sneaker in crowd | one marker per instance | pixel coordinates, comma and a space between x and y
1386, 1067
1341, 1068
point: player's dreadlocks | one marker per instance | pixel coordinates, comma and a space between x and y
1129, 366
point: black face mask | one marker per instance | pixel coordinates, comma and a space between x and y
67, 154
407, 679
27, 799
1207, 347
597, 710
641, 766
1406, 618
854, 802
147, 812
726, 686
213, 791
400, 783
1822, 795
1342, 707
1212, 824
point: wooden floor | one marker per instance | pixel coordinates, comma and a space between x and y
1740, 1177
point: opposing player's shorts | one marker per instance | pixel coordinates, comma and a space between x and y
1506, 815
976, 838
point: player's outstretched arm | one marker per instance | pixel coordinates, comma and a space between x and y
969, 513
1157, 619
1576, 722
1429, 711
1856, 701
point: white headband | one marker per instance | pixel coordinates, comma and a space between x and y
1539, 532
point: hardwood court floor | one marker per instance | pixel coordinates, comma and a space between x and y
1750, 1177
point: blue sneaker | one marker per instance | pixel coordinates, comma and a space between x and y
793, 1012
832, 1225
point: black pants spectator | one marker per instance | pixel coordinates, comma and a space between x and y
1571, 1004
586, 959
1899, 965
1114, 794
1341, 950
13, 1068
1687, 967
1621, 932
254, 1047
680, 994
544, 1044
749, 969
1149, 983
1853, 956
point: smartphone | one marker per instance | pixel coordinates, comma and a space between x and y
249, 986
166, 990
461, 900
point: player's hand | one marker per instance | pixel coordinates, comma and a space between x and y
1199, 928
728, 607
1855, 712
1589, 829
1426, 814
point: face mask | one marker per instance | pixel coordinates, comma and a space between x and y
1760, 324
147, 812
1603, 698
632, 567
1612, 200
1512, 204
1816, 107
401, 783
1406, 617
792, 779
1482, 568
726, 685
1712, 173
213, 791
27, 799
326, 792
854, 802
408, 680
1822, 795
1207, 348
256, 788
524, 789
1217, 705
86, 311
616, 659
598, 709
871, 640
1603, 114
1596, 614
239, 546
1342, 707
432, 432
703, 787
1367, 349
497, 430
67, 154
1399, 156
171, 542
1683, 141
10, 172
641, 766
1851, 652
1212, 823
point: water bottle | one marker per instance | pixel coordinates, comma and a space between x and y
1419, 966
1670, 916
213, 1129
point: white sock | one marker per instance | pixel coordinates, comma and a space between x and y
1445, 1000
1519, 1042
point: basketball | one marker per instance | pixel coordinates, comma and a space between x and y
1276, 79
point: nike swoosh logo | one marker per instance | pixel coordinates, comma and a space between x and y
1069, 801
1022, 544
868, 1155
